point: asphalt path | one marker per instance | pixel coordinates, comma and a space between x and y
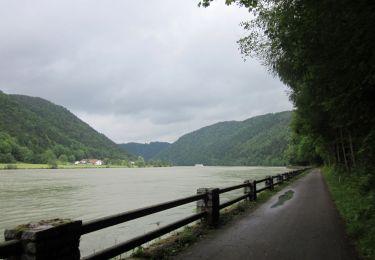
303, 224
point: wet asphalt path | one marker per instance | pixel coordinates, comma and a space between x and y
306, 226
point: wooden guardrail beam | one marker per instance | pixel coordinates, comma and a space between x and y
97, 224
61, 241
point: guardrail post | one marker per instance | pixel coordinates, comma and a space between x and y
202, 204
211, 205
254, 190
48, 239
248, 189
280, 178
269, 182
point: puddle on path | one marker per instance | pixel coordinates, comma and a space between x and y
282, 198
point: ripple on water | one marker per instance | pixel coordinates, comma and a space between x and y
92, 193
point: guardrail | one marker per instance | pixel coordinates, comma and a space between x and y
59, 239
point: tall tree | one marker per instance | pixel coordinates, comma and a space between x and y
324, 51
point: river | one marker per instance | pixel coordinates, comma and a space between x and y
86, 194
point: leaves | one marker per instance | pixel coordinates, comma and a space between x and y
260, 140
38, 131
323, 50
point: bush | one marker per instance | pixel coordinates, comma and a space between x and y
52, 165
10, 167
354, 196
7, 158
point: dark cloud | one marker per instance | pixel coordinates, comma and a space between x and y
135, 70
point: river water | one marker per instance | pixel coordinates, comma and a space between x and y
86, 194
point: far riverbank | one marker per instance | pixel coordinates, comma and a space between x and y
28, 166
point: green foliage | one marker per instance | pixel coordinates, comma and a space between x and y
147, 151
63, 158
355, 198
52, 165
302, 149
157, 163
323, 50
48, 157
261, 140
37, 131
10, 167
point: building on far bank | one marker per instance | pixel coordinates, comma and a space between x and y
90, 161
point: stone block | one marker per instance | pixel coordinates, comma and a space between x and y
47, 239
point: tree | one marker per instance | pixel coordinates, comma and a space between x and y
323, 50
7, 158
49, 157
63, 158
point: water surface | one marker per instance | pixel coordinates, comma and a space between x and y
86, 194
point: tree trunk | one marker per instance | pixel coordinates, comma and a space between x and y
351, 149
343, 150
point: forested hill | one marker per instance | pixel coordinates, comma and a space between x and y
35, 130
260, 140
147, 151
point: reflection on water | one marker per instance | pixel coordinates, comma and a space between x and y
31, 195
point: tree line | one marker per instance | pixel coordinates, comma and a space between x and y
324, 51
34, 130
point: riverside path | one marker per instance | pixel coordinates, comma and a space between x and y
303, 224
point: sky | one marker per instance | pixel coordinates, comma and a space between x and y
136, 71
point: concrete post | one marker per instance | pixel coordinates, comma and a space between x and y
47, 239
201, 204
211, 205
248, 190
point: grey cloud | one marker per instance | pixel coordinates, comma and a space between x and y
135, 70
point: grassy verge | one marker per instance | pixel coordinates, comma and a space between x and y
354, 196
180, 240
45, 166
12, 166
25, 166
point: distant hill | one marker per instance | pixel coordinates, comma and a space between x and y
147, 151
34, 130
261, 140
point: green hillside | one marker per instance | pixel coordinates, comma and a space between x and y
260, 140
147, 151
35, 130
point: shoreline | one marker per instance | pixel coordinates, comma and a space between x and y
31, 166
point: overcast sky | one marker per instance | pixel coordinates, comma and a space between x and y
135, 70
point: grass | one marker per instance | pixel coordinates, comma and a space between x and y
178, 241
354, 196
6, 166
23, 166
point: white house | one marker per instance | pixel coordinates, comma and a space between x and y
99, 162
